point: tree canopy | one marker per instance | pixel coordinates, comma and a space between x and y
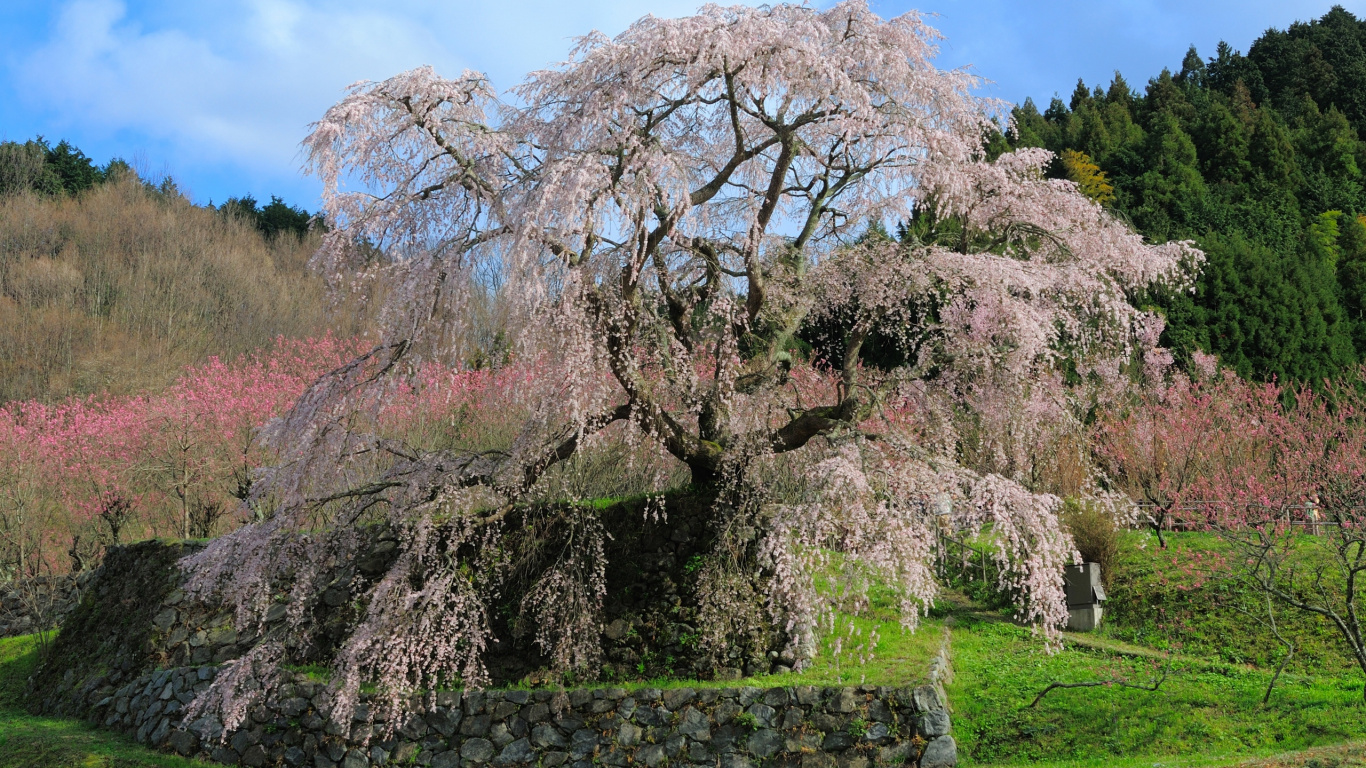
271, 219
41, 167
658, 217
1258, 158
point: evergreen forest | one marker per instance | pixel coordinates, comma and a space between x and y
1258, 158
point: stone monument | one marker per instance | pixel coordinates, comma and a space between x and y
1084, 596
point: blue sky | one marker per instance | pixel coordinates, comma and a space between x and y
218, 93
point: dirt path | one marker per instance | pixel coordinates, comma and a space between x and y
1350, 755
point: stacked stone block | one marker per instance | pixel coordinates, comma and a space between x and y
39, 603
806, 726
136, 652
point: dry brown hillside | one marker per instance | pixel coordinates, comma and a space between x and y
119, 287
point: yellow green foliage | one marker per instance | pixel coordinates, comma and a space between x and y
1089, 177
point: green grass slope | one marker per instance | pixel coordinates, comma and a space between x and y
1207, 711
1202, 709
27, 741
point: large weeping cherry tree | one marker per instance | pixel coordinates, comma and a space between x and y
662, 215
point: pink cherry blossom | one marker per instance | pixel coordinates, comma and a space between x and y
654, 220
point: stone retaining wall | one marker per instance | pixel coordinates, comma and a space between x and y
135, 653
811, 727
39, 603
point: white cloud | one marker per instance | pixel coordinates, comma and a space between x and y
225, 89
237, 83
238, 88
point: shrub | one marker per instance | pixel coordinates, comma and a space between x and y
1095, 532
105, 470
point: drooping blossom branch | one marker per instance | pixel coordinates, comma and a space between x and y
658, 219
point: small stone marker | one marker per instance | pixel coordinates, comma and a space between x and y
1084, 596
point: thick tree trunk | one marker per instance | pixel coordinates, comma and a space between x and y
704, 475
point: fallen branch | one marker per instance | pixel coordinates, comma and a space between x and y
1096, 683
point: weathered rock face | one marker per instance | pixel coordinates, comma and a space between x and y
136, 651
111, 632
137, 616
39, 603
649, 629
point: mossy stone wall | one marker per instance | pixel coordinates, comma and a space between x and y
135, 652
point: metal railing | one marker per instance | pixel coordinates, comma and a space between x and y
1307, 515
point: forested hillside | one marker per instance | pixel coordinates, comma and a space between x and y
1258, 158
109, 283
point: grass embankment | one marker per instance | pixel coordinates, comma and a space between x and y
1208, 710
27, 741
897, 658
1176, 597
1201, 709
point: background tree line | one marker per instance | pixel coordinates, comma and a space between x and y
39, 167
1259, 159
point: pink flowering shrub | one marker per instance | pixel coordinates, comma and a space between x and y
1278, 473
28, 518
1157, 449
101, 470
76, 461
201, 448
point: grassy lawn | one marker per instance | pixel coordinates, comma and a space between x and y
1351, 755
1212, 710
898, 658
1165, 597
43, 742
1207, 712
